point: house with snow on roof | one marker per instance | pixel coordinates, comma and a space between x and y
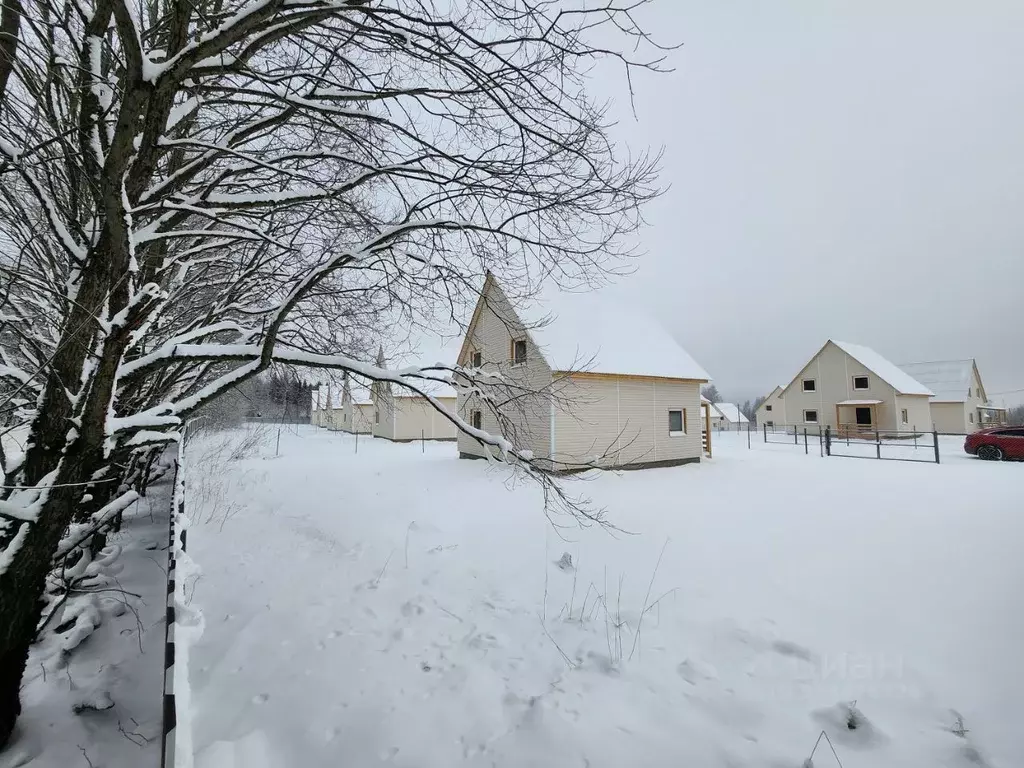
851, 388
960, 405
356, 409
772, 409
587, 382
732, 417
404, 415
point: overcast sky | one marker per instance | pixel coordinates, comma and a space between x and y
852, 170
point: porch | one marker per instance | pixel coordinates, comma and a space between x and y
857, 418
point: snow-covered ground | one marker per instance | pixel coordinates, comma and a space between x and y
397, 606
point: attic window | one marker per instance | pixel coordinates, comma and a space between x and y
860, 382
477, 360
518, 351
768, 408
810, 385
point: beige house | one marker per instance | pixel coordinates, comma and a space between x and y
772, 411
588, 383
356, 410
852, 388
405, 417
960, 405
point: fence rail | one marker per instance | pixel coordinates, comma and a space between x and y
884, 445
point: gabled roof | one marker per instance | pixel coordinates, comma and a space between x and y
948, 379
596, 332
776, 391
731, 411
888, 372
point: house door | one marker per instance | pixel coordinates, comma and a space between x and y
863, 417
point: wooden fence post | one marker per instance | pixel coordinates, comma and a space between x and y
828, 440
806, 449
878, 445
935, 438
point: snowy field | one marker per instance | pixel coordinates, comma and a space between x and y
395, 606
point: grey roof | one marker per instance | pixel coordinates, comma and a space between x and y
948, 379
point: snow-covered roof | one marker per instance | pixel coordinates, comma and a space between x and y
731, 412
948, 379
599, 333
888, 372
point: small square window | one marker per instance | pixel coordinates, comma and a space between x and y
518, 351
811, 417
810, 385
971, 417
476, 419
904, 416
860, 382
770, 424
477, 360
677, 422
768, 408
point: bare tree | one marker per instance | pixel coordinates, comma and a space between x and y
710, 391
193, 191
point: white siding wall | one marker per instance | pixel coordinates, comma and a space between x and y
951, 417
919, 413
492, 337
415, 418
383, 415
621, 421
833, 371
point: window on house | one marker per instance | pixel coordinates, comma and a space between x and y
518, 351
860, 382
904, 417
768, 408
376, 417
810, 385
770, 424
477, 360
811, 417
969, 392
971, 417
476, 419
677, 422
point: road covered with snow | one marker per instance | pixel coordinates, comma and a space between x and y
390, 605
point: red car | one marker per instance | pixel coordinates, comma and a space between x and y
996, 443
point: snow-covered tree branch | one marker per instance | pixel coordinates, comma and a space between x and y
194, 191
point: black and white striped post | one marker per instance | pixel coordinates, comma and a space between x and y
176, 539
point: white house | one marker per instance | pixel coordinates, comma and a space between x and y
356, 410
772, 410
596, 383
714, 416
960, 405
852, 388
732, 417
405, 416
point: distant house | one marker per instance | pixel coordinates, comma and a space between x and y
773, 410
356, 410
960, 405
599, 384
714, 416
852, 388
407, 416
732, 417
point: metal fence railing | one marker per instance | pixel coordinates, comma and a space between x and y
886, 445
